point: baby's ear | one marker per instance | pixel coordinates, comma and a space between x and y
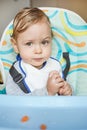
14, 43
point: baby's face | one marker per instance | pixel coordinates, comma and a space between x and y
35, 44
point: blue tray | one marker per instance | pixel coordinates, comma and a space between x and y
43, 113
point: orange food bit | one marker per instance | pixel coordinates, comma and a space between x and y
24, 119
43, 127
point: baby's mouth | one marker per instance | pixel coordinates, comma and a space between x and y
38, 59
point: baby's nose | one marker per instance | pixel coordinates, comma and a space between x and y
38, 49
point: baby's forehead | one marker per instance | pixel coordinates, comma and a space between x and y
22, 25
42, 24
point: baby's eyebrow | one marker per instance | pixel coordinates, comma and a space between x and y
48, 37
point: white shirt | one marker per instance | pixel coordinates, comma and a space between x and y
37, 78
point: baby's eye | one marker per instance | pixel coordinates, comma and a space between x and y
29, 43
45, 42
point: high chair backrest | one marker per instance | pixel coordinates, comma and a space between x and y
70, 38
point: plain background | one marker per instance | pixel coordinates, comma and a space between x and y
8, 9
78, 6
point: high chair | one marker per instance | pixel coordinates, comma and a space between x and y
57, 112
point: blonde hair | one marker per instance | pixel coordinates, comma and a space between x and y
27, 17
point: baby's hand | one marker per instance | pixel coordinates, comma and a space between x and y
54, 83
65, 90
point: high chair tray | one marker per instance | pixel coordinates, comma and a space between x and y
43, 113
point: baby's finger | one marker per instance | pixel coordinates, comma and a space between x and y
60, 80
52, 73
65, 91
